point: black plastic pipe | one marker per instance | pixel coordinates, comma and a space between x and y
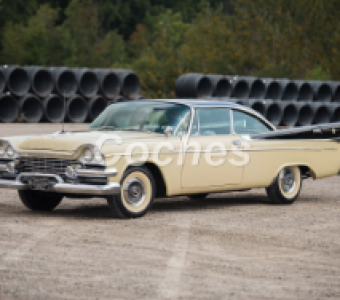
65, 81
322, 91
221, 85
306, 92
306, 114
335, 111
9, 108
108, 83
290, 91
258, 105
2, 81
41, 79
322, 113
275, 89
76, 109
31, 109
290, 113
88, 84
193, 85
241, 86
335, 86
96, 107
129, 83
54, 108
273, 112
17, 80
258, 89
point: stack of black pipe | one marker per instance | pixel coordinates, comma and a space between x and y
37, 94
284, 102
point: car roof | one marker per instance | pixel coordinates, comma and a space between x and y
212, 103
201, 102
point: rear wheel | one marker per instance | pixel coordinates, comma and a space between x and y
136, 196
286, 187
40, 201
198, 196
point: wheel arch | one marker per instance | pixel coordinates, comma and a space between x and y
157, 176
305, 169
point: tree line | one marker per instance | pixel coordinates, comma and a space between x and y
162, 39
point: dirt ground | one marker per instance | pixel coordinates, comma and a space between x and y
229, 246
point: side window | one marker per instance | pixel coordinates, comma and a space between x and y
246, 124
212, 121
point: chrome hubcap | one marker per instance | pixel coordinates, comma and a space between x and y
288, 180
134, 191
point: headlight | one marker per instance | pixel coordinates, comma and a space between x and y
10, 152
7, 151
88, 155
92, 156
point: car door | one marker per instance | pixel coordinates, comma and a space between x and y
211, 151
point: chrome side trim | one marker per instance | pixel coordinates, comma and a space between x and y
282, 149
224, 150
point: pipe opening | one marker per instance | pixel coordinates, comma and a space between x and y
2, 81
274, 114
306, 92
204, 87
19, 82
336, 115
290, 115
336, 97
305, 116
222, 88
42, 82
31, 109
324, 93
241, 90
274, 91
55, 109
259, 107
322, 115
77, 110
97, 107
110, 85
290, 92
89, 84
67, 83
8, 109
258, 90
131, 84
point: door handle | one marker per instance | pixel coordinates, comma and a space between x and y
236, 143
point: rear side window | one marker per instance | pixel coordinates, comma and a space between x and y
246, 124
212, 121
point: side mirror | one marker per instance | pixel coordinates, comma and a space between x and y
168, 131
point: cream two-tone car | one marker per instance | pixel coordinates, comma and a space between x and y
137, 151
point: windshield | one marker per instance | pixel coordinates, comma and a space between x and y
143, 116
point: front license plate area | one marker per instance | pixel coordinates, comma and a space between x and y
41, 183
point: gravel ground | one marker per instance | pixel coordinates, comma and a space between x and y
229, 246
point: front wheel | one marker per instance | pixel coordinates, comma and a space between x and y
286, 187
40, 201
137, 193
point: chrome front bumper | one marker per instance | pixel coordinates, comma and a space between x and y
64, 187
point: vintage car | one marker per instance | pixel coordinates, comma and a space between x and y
137, 151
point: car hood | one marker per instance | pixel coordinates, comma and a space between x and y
71, 141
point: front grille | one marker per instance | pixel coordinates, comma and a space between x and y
44, 165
